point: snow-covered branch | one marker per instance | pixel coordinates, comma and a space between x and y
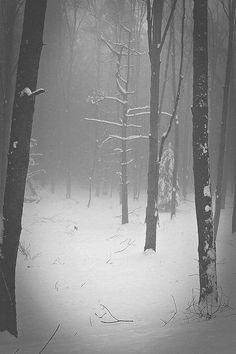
120, 150
128, 138
146, 113
133, 126
137, 114
120, 77
104, 121
126, 28
166, 114
113, 50
127, 162
121, 88
130, 110
27, 92
132, 50
101, 98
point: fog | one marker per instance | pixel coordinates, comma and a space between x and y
81, 256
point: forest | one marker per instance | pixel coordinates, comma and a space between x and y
117, 176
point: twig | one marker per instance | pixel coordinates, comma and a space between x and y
168, 24
101, 315
130, 212
174, 314
116, 320
125, 248
90, 321
49, 339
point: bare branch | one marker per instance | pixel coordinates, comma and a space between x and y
168, 24
49, 339
173, 116
137, 109
115, 319
174, 314
114, 51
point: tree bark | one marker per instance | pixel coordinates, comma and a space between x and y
234, 207
154, 19
7, 77
176, 130
202, 185
18, 157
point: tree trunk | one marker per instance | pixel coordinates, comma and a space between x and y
18, 157
234, 207
186, 154
154, 18
220, 169
124, 181
203, 199
176, 131
8, 19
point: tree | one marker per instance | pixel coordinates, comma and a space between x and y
122, 53
9, 16
234, 206
154, 20
176, 126
156, 42
221, 154
202, 184
18, 156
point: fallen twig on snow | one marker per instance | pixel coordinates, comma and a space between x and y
115, 319
130, 212
90, 321
127, 246
49, 339
174, 314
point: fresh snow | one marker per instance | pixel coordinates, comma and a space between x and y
82, 261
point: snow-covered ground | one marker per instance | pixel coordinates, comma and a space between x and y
82, 264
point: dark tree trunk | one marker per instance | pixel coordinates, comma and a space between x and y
154, 19
203, 199
8, 17
234, 207
221, 154
18, 157
165, 78
186, 154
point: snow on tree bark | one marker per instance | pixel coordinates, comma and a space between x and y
203, 199
18, 157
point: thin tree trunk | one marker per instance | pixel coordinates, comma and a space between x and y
18, 157
124, 181
176, 131
220, 164
165, 79
203, 199
234, 207
154, 19
186, 153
